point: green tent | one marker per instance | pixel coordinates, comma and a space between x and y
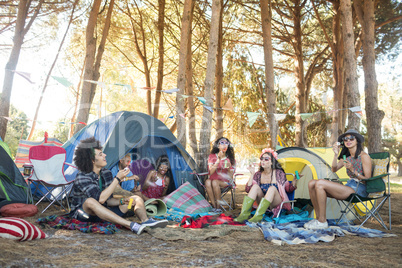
5, 147
13, 187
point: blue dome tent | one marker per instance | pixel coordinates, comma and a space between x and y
139, 134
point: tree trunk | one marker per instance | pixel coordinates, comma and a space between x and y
20, 31
374, 115
219, 80
181, 76
161, 27
92, 61
189, 91
266, 14
351, 80
337, 126
142, 51
206, 124
300, 136
50, 72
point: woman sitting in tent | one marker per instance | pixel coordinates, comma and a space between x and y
157, 182
268, 186
221, 166
358, 166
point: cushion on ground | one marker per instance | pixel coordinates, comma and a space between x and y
187, 199
19, 210
19, 229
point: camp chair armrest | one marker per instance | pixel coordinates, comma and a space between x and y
376, 177
338, 180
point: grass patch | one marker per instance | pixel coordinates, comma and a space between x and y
396, 188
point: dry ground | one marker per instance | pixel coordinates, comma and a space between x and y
237, 249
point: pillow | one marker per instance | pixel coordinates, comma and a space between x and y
380, 166
19, 210
187, 199
19, 229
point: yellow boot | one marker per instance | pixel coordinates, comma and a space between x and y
245, 210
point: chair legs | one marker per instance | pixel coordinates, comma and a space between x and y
65, 190
369, 213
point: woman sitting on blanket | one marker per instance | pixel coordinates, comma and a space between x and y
358, 166
157, 182
221, 166
268, 186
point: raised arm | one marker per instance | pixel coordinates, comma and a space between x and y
147, 181
336, 165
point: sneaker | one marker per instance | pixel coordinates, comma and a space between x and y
221, 202
308, 224
216, 210
154, 223
136, 227
318, 225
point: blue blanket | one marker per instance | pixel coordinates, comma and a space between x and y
294, 233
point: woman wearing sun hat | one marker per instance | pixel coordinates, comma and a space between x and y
358, 167
268, 186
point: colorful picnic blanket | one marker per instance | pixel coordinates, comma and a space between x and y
188, 199
294, 233
67, 223
204, 221
175, 214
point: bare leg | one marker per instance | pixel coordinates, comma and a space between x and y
335, 190
313, 196
255, 192
139, 208
273, 197
208, 186
216, 187
93, 207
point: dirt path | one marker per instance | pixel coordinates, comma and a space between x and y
249, 249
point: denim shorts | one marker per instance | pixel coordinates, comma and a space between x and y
359, 188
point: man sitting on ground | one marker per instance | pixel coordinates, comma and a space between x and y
93, 187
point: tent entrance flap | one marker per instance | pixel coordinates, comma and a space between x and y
152, 147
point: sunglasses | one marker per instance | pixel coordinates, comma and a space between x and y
351, 138
265, 158
224, 142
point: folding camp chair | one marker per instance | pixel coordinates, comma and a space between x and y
364, 208
48, 174
229, 189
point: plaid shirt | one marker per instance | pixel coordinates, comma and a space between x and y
86, 185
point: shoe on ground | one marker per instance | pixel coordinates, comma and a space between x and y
154, 223
308, 224
221, 202
318, 225
216, 210
136, 227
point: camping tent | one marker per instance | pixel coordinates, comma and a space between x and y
311, 164
12, 184
5, 147
144, 136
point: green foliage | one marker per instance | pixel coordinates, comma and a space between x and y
61, 131
388, 35
16, 129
